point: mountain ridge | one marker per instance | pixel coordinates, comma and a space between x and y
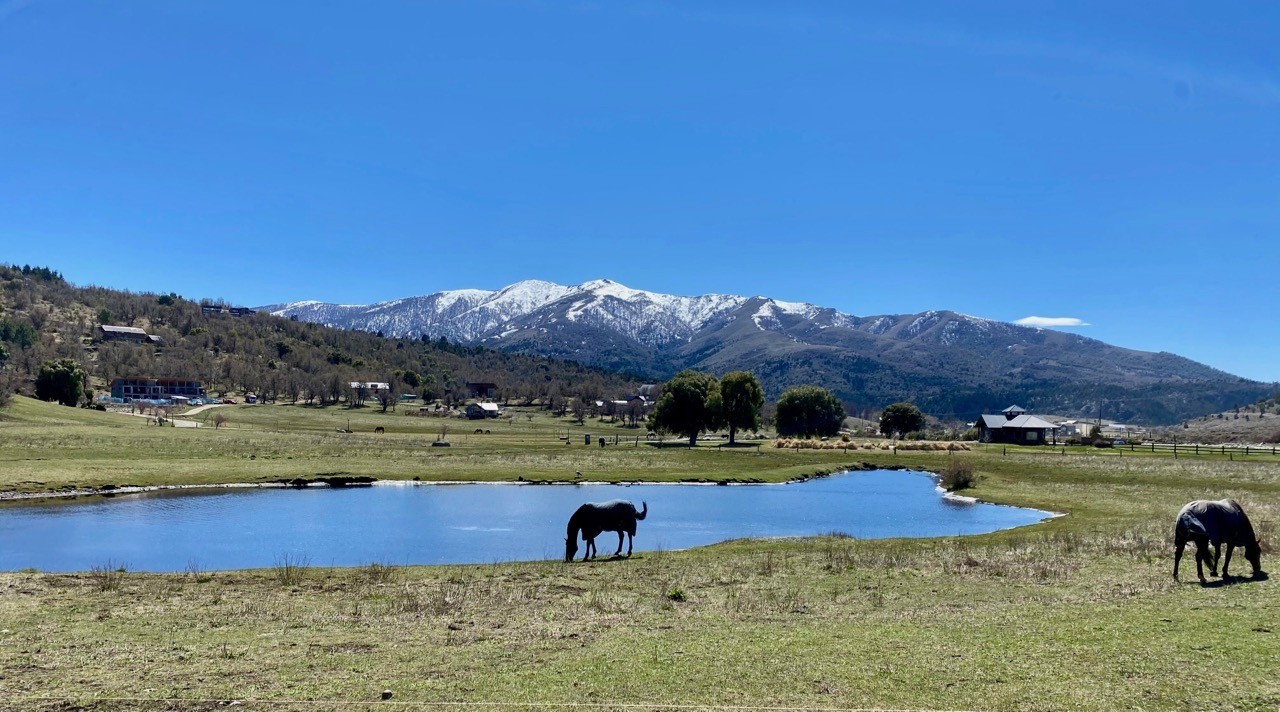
948, 362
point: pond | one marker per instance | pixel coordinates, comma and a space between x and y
406, 523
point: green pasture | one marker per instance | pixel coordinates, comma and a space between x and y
1077, 613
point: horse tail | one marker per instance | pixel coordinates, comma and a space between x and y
643, 512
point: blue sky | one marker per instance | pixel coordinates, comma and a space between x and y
1113, 163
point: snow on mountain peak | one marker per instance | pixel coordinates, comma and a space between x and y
470, 314
525, 296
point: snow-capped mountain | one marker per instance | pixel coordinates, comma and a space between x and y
468, 315
945, 361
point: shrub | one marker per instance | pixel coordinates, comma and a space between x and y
290, 568
108, 576
957, 475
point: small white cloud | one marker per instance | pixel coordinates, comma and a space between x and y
1051, 321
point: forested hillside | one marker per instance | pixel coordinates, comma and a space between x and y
45, 318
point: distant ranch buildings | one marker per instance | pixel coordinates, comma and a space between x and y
1014, 427
131, 389
220, 309
478, 411
131, 334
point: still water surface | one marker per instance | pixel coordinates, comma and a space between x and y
464, 523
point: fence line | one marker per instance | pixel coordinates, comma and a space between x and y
1228, 449
1198, 448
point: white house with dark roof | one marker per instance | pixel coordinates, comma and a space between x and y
1015, 427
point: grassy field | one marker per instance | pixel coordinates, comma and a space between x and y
1076, 613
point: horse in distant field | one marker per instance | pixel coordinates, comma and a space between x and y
591, 519
1208, 522
379, 430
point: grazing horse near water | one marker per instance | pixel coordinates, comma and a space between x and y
591, 519
1215, 522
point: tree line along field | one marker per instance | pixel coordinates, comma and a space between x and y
1077, 612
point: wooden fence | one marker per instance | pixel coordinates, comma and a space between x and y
1199, 449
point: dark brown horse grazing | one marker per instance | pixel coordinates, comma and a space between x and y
1215, 522
591, 519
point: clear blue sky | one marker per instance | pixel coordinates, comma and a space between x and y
1116, 163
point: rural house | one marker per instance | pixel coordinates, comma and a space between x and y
481, 389
362, 390
1014, 427
131, 389
221, 309
478, 411
123, 333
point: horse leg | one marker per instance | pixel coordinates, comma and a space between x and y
631, 539
1177, 556
1202, 553
1217, 554
1226, 563
619, 551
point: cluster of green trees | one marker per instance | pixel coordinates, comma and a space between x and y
693, 403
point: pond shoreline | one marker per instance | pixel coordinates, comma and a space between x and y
343, 479
336, 480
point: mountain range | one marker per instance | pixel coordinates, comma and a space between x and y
950, 364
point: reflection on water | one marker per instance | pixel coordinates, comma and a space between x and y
247, 528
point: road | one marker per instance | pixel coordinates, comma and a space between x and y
201, 408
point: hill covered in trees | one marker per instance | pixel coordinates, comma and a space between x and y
45, 318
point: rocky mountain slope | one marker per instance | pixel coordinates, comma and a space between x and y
952, 364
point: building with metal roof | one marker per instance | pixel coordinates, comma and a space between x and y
1014, 427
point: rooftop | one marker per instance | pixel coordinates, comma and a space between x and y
124, 330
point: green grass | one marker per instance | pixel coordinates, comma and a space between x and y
47, 448
1077, 613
